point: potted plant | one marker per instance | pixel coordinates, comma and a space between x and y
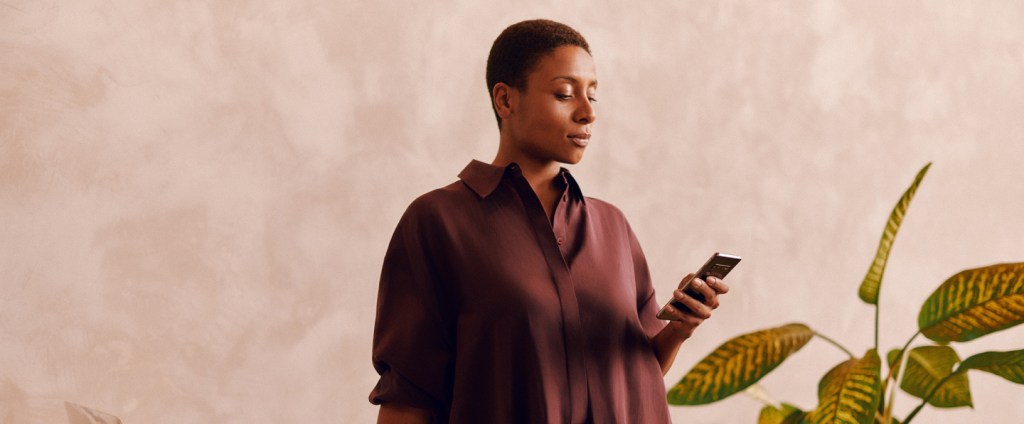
970, 304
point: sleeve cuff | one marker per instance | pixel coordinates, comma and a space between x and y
395, 388
649, 317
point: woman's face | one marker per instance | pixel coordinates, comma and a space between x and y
551, 119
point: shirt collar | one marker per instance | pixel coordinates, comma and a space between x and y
483, 178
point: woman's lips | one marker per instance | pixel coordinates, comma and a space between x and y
580, 139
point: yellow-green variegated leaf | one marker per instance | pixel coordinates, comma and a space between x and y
929, 365
873, 280
850, 392
788, 414
1009, 365
973, 303
737, 364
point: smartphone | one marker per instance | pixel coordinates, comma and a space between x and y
717, 266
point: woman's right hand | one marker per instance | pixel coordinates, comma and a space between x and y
683, 321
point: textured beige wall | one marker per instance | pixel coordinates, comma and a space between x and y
195, 198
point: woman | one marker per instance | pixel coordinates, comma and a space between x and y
508, 296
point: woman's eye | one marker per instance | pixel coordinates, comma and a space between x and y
593, 100
563, 96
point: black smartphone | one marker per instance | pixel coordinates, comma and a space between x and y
717, 266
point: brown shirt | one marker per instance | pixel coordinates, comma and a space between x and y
490, 313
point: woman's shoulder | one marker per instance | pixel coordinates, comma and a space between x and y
447, 196
604, 206
438, 203
605, 211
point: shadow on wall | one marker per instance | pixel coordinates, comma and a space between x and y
78, 414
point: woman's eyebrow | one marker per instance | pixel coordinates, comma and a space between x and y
573, 79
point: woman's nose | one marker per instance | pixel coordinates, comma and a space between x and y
585, 113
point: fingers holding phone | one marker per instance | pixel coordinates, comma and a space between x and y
702, 291
698, 292
718, 285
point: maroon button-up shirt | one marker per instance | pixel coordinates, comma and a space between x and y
490, 313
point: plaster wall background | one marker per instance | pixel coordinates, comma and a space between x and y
195, 197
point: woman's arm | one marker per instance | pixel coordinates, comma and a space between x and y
684, 322
401, 414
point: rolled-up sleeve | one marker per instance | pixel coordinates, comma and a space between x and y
412, 338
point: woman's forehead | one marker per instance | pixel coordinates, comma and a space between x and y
566, 64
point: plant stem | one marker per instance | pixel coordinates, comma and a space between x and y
900, 359
930, 394
914, 412
887, 416
835, 343
877, 308
892, 368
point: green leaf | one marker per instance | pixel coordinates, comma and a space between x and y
973, 303
850, 392
929, 365
737, 364
873, 280
1009, 365
788, 414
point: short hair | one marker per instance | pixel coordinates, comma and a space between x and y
519, 47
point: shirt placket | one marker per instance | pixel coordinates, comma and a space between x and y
560, 224
552, 240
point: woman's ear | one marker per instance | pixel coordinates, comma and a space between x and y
504, 99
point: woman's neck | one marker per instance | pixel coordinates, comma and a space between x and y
540, 174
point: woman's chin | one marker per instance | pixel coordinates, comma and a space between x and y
573, 158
